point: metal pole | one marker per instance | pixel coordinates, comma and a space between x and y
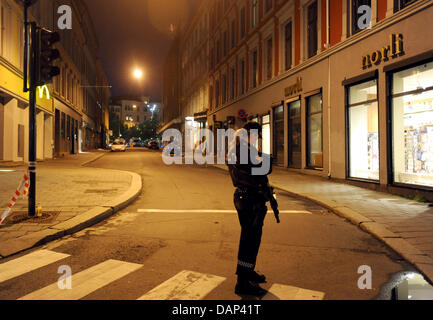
32, 123
26, 47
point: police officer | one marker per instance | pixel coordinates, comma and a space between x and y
250, 204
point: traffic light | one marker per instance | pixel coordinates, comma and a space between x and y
46, 55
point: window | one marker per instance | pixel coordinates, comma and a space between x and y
295, 152
233, 36
288, 46
312, 29
225, 43
363, 131
243, 23
314, 132
232, 83
357, 16
278, 151
64, 81
217, 93
218, 51
224, 89
412, 125
255, 71
266, 134
401, 4
212, 58
268, 5
211, 97
269, 58
254, 13
242, 77
63, 125
68, 128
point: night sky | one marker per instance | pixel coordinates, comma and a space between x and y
136, 34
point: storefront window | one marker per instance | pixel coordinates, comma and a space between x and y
266, 134
295, 155
363, 131
412, 117
279, 135
314, 131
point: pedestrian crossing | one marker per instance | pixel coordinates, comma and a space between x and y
29, 262
185, 285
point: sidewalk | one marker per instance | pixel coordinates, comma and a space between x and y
72, 198
404, 225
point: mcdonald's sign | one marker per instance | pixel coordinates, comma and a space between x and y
43, 91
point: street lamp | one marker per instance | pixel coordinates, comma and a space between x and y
138, 73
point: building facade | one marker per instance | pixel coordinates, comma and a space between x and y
131, 110
337, 96
14, 110
70, 111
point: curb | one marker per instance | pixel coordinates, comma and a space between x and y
411, 254
93, 160
78, 223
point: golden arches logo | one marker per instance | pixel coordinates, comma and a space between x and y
43, 89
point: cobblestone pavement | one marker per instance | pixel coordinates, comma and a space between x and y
64, 190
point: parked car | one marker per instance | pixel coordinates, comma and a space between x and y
154, 145
118, 146
135, 142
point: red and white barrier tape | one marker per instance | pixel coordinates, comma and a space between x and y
23, 189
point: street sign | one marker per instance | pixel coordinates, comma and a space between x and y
242, 114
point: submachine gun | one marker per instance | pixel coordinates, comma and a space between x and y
268, 192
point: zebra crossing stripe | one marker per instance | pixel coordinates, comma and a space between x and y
283, 292
86, 281
29, 262
186, 285
209, 211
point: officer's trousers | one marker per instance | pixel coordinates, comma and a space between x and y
251, 210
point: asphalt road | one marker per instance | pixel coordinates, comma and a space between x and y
160, 248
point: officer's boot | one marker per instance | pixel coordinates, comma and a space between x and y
256, 277
247, 287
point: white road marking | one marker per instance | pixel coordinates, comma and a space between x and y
86, 281
186, 285
209, 211
284, 292
29, 262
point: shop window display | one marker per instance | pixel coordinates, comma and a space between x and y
314, 132
363, 131
412, 116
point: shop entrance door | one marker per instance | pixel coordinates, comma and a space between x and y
295, 155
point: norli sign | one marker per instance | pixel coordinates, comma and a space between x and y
393, 50
294, 89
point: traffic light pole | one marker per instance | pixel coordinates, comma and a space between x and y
32, 121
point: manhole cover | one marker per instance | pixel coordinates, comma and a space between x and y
23, 217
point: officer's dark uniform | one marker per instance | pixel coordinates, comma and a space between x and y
250, 204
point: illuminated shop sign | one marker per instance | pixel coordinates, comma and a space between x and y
393, 50
44, 92
294, 89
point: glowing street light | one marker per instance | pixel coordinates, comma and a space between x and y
138, 73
